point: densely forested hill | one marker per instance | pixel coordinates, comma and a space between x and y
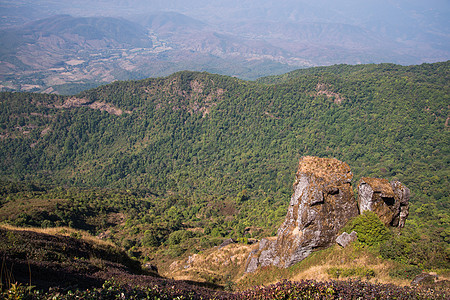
437, 72
216, 131
222, 149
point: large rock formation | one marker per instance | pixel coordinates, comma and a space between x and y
389, 200
322, 203
320, 206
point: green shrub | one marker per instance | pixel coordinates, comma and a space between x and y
46, 224
150, 239
216, 232
371, 231
175, 251
179, 236
242, 196
406, 272
76, 235
395, 249
127, 243
243, 240
206, 242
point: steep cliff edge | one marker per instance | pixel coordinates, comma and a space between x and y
321, 204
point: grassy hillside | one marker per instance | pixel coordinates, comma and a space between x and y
65, 263
170, 166
59, 257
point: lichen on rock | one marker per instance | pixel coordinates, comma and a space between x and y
389, 200
320, 206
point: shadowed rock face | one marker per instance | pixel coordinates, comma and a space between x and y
320, 206
389, 200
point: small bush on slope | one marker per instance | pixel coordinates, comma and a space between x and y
371, 231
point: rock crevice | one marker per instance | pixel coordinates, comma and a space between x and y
389, 200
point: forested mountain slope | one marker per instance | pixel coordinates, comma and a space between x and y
211, 147
217, 131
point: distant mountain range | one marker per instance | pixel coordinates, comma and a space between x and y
119, 40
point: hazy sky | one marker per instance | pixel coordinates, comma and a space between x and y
421, 24
395, 17
296, 10
398, 13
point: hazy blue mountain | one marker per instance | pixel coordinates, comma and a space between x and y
114, 30
65, 39
170, 22
241, 38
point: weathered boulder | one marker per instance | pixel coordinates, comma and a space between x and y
389, 200
345, 239
263, 256
320, 206
424, 279
227, 242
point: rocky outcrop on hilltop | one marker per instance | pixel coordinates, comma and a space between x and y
389, 200
320, 206
322, 203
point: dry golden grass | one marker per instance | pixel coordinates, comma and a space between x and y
62, 231
323, 167
346, 258
216, 264
317, 265
320, 272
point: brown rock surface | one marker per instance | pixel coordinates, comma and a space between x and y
320, 206
389, 200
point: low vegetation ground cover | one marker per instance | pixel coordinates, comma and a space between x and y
42, 264
310, 289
